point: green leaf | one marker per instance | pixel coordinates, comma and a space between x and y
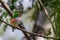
12, 4
16, 14
57, 24
33, 16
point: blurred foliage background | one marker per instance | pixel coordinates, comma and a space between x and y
53, 7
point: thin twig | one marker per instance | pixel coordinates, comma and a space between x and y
40, 2
40, 35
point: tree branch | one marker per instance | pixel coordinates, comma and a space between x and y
40, 35
26, 34
45, 10
11, 14
7, 8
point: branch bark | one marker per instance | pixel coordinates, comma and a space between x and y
7, 8
46, 12
25, 33
40, 35
11, 14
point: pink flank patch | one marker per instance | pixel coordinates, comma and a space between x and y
12, 20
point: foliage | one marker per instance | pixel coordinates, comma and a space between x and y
57, 23
55, 5
11, 4
16, 14
53, 8
54, 11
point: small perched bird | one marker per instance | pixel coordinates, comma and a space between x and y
18, 23
14, 22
